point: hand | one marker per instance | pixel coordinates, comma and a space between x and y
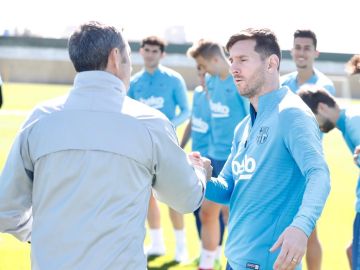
197, 160
293, 242
357, 155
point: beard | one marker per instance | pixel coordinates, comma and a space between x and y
253, 84
327, 126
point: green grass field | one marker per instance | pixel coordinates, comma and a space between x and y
334, 227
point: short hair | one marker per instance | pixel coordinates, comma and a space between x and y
306, 34
154, 40
266, 42
90, 45
353, 65
313, 95
206, 49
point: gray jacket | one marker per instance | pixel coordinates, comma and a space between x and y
79, 176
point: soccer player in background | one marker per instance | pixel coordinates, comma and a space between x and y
304, 53
227, 109
329, 115
80, 173
275, 180
198, 128
163, 89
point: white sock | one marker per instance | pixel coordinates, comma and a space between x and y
218, 253
207, 259
180, 238
156, 237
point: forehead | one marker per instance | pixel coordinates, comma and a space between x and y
201, 61
153, 48
303, 41
243, 48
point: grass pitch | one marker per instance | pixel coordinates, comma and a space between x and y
334, 227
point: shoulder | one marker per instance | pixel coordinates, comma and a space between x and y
322, 78
288, 78
146, 118
140, 111
353, 113
45, 109
170, 73
137, 76
293, 111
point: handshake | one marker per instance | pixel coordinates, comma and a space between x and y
201, 162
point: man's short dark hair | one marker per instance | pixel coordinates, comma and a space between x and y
266, 41
90, 46
306, 34
313, 95
154, 40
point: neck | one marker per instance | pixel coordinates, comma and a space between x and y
304, 75
151, 70
224, 68
265, 89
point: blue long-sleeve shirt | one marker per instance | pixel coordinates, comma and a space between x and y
275, 177
228, 108
164, 90
318, 78
349, 125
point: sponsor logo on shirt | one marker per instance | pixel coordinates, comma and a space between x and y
254, 266
154, 102
244, 169
198, 125
263, 135
219, 110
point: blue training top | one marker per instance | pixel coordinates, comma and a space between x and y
275, 177
228, 108
164, 90
200, 121
318, 78
349, 125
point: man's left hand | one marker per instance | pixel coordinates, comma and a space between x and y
293, 242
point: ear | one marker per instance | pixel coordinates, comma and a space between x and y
113, 64
317, 53
322, 108
273, 63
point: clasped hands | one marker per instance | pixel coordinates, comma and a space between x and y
197, 160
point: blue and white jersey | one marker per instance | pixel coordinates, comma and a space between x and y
228, 108
164, 90
349, 125
275, 177
200, 121
318, 78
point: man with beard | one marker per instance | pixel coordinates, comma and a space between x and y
275, 180
304, 54
329, 115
